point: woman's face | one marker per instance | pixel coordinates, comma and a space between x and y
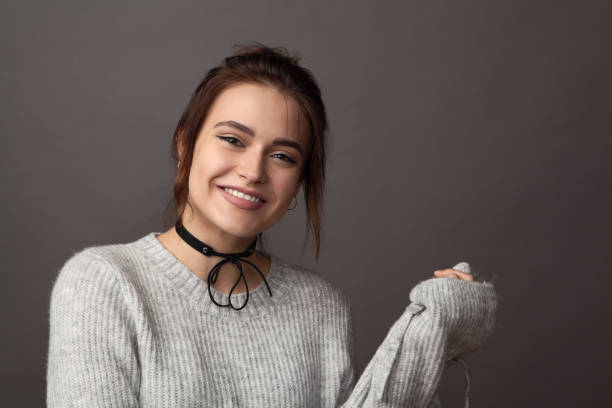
252, 142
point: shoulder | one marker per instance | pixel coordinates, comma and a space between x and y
91, 297
312, 287
99, 266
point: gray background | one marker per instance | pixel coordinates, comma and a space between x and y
459, 130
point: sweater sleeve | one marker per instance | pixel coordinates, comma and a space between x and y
338, 374
92, 359
446, 319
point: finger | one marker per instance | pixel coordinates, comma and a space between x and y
453, 273
445, 273
465, 276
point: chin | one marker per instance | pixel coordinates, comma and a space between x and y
240, 231
246, 225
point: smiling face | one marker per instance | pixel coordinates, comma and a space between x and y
253, 141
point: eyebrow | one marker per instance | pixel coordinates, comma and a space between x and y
236, 125
251, 132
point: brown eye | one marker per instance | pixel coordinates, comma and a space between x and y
284, 157
231, 140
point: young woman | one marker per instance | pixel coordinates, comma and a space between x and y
200, 315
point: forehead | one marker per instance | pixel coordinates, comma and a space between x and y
270, 113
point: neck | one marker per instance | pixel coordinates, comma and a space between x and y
201, 264
194, 234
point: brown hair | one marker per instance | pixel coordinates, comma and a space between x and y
274, 67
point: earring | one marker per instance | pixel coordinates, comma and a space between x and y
296, 202
178, 165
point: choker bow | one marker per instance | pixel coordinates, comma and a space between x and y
234, 258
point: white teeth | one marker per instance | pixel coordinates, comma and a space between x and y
242, 195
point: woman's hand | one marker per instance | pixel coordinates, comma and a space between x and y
453, 273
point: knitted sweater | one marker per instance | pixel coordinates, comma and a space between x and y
130, 325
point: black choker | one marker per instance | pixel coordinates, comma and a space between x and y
235, 258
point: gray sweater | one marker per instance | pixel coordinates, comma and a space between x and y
130, 325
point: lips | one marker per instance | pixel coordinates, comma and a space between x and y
245, 191
242, 203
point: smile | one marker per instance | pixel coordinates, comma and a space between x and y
244, 196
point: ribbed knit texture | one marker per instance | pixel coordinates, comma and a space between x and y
130, 326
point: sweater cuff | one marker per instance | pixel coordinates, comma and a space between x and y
466, 309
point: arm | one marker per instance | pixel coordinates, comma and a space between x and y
446, 318
92, 360
337, 356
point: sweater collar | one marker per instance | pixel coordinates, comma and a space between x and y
195, 290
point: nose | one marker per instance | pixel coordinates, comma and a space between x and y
252, 167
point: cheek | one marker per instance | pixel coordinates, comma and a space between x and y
210, 166
287, 187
